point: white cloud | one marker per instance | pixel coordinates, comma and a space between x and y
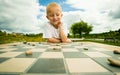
71, 17
19, 16
42, 7
85, 4
102, 14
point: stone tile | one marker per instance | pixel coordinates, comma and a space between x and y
10, 54
1, 48
117, 73
3, 59
45, 74
96, 54
104, 62
79, 47
101, 49
1, 52
50, 66
53, 50
70, 50
9, 74
33, 55
42, 46
38, 50
94, 73
21, 50
52, 55
8, 49
79, 65
28, 47
111, 53
4, 46
51, 47
74, 55
16, 65
66, 46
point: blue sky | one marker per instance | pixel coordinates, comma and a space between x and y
65, 7
28, 16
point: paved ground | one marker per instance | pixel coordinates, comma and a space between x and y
77, 58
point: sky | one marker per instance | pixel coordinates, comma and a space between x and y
29, 16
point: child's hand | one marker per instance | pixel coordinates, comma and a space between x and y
60, 24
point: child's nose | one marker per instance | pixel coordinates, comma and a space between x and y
55, 17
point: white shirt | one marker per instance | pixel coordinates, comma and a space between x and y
51, 32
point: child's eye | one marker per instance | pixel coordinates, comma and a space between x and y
51, 15
58, 14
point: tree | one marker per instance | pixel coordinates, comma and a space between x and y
74, 29
119, 31
80, 28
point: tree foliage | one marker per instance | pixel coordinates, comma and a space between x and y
111, 34
81, 28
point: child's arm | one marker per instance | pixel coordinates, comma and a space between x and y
62, 33
53, 40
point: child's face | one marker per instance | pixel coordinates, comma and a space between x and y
54, 16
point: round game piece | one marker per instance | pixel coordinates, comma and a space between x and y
114, 62
85, 48
116, 51
33, 44
29, 52
14, 45
24, 42
28, 43
54, 49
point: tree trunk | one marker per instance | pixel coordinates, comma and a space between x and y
80, 34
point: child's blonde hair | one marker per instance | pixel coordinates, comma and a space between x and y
53, 4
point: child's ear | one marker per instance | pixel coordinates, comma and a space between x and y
47, 17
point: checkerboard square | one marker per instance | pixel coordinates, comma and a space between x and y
70, 50
10, 54
79, 65
16, 65
51, 55
38, 50
96, 54
48, 66
3, 59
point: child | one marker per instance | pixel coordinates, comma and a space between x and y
55, 30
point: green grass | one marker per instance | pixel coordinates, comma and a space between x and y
12, 39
